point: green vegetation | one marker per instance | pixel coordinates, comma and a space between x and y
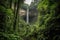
12, 27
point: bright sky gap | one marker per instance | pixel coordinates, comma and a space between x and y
28, 2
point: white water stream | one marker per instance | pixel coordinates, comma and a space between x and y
27, 17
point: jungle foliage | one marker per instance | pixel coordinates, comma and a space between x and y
12, 27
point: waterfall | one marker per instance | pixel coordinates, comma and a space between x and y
27, 17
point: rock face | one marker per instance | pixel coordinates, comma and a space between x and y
33, 13
22, 12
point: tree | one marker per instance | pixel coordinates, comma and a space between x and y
17, 7
49, 11
6, 20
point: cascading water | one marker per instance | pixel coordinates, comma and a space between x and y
27, 17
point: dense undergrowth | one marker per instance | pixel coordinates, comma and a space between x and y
46, 27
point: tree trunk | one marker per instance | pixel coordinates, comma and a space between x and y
11, 3
15, 4
16, 14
